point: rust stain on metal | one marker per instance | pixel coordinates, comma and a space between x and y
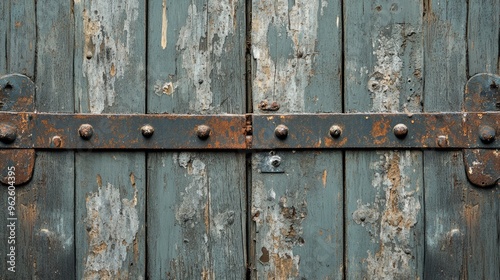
23, 162
323, 178
482, 167
267, 106
380, 130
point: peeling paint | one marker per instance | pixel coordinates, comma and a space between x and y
164, 25
284, 79
112, 224
280, 223
390, 220
105, 46
200, 44
387, 79
194, 198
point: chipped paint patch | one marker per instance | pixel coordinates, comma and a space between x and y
280, 224
390, 220
284, 79
201, 42
105, 46
387, 79
112, 224
164, 25
195, 195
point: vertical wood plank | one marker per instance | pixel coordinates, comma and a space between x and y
384, 191
460, 231
445, 182
110, 57
45, 206
22, 37
483, 48
297, 215
196, 200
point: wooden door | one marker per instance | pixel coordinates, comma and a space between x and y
331, 214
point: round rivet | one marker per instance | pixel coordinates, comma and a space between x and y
8, 133
57, 141
281, 131
487, 134
203, 132
400, 130
147, 131
335, 131
86, 131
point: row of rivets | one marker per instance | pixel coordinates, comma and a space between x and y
486, 133
86, 131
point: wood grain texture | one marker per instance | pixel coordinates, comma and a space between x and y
297, 216
196, 201
383, 189
45, 206
110, 63
460, 231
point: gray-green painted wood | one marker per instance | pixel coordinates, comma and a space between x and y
110, 63
460, 224
384, 204
296, 216
483, 51
45, 206
196, 200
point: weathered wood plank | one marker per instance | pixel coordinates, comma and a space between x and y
445, 76
22, 38
460, 233
480, 205
45, 206
110, 57
196, 201
383, 189
297, 215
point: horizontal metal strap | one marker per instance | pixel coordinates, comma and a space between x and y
285, 131
399, 131
134, 131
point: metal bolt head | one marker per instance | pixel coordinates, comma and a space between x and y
281, 131
57, 141
8, 133
147, 131
335, 131
275, 161
442, 141
400, 130
203, 132
86, 131
487, 134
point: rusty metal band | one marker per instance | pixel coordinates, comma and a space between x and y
62, 131
300, 131
375, 131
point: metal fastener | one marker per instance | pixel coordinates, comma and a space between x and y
86, 131
281, 131
335, 131
203, 132
400, 130
57, 141
147, 131
275, 161
487, 134
8, 133
442, 141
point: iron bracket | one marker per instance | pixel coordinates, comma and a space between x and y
22, 130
